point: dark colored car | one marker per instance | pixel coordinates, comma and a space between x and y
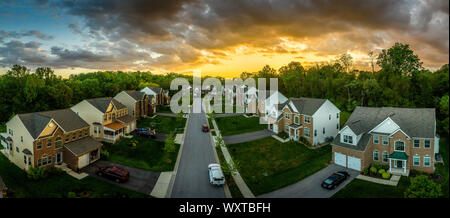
334, 180
146, 132
205, 128
114, 173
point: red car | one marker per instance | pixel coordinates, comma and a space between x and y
205, 128
114, 173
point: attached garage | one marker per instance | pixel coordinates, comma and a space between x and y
83, 160
80, 153
340, 159
354, 163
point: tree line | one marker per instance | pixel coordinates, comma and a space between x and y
401, 81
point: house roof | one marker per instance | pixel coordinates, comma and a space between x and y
82, 146
307, 106
361, 146
399, 155
136, 95
115, 125
27, 152
102, 103
36, 122
156, 89
415, 122
126, 119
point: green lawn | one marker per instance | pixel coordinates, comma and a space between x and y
238, 124
148, 154
58, 186
267, 164
163, 109
162, 124
234, 190
363, 189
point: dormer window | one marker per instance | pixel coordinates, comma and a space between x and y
348, 139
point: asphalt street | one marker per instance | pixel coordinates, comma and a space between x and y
192, 179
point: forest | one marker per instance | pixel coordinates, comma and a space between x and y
399, 81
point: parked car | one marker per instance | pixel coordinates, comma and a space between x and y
205, 128
334, 180
146, 132
114, 173
216, 176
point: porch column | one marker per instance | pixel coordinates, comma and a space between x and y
404, 166
390, 164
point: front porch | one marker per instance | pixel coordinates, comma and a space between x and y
398, 163
113, 131
294, 131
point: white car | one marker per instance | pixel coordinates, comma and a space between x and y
215, 174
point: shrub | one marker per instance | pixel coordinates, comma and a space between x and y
170, 143
385, 167
373, 170
422, 187
105, 153
381, 171
366, 171
386, 175
36, 173
376, 165
72, 195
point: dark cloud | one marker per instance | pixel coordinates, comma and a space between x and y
16, 35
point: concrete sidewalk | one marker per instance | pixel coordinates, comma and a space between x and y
246, 137
245, 190
162, 185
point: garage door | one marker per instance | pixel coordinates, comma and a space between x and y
83, 161
354, 163
340, 159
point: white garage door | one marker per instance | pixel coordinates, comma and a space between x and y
83, 161
354, 163
340, 159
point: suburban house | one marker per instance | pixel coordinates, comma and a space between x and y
43, 139
161, 95
272, 99
403, 138
317, 120
137, 102
108, 118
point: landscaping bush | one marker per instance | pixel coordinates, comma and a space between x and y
104, 154
170, 143
386, 175
373, 170
381, 171
376, 165
36, 173
283, 135
385, 167
422, 187
366, 171
71, 195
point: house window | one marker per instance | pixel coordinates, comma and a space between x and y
329, 116
337, 125
109, 116
25, 159
11, 132
80, 134
323, 130
296, 119
74, 136
376, 139
67, 138
104, 117
426, 161
286, 128
416, 143
427, 143
375, 155
21, 138
29, 160
348, 139
385, 157
39, 145
58, 142
307, 119
86, 132
306, 132
17, 149
114, 116
315, 132
416, 160
337, 115
286, 115
49, 142
399, 146
385, 140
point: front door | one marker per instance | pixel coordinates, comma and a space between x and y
399, 163
59, 157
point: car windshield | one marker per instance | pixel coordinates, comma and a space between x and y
329, 181
218, 179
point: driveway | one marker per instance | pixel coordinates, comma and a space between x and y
159, 136
245, 137
192, 179
140, 180
310, 186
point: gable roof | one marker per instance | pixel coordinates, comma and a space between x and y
102, 103
36, 122
156, 89
307, 106
415, 122
136, 95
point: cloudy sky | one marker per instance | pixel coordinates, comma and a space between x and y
214, 37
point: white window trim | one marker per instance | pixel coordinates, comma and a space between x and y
306, 128
378, 155
382, 141
426, 156
348, 141
424, 143
373, 139
387, 157
414, 163
414, 144
298, 119
304, 119
404, 146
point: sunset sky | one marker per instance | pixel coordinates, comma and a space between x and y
222, 37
